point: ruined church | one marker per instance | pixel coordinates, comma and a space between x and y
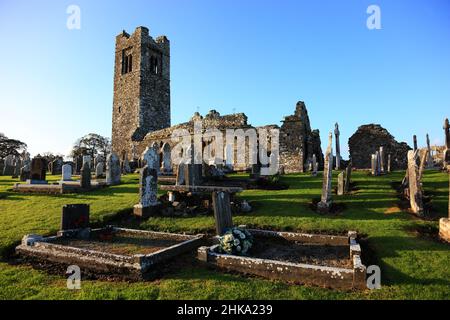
141, 108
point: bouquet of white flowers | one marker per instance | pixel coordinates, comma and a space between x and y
236, 241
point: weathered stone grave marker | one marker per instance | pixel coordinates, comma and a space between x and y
381, 153
429, 156
326, 201
338, 147
222, 211
348, 177
446, 155
415, 189
148, 192
444, 223
8, 168
340, 186
112, 169
99, 169
315, 165
85, 176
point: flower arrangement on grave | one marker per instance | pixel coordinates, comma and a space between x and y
237, 241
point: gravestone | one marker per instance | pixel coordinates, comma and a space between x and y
66, 172
429, 156
315, 166
99, 168
192, 175
341, 184
78, 164
193, 171
255, 171
338, 147
325, 203
167, 159
381, 152
389, 163
25, 173
373, 164
112, 169
415, 189
8, 168
301, 158
348, 177
75, 216
126, 166
87, 160
180, 174
85, 176
378, 168
444, 223
17, 166
446, 156
148, 192
57, 166
151, 158
222, 211
98, 158
423, 161
38, 170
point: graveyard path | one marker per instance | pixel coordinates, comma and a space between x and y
414, 264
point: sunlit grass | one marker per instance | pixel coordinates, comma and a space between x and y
412, 267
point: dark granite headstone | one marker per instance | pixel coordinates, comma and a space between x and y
38, 169
56, 167
75, 216
85, 176
78, 164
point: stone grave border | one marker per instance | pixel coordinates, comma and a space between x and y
323, 276
42, 248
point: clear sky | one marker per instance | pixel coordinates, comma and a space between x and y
254, 56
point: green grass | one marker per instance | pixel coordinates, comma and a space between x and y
413, 267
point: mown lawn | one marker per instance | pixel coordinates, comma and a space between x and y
413, 266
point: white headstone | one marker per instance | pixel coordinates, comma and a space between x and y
67, 172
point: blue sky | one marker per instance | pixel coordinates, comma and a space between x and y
255, 56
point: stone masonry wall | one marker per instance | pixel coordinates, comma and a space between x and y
368, 139
141, 101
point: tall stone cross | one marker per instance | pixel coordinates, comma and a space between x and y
338, 147
429, 156
325, 203
447, 144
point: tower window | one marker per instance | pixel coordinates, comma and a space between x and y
155, 65
127, 62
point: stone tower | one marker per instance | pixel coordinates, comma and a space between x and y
141, 101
